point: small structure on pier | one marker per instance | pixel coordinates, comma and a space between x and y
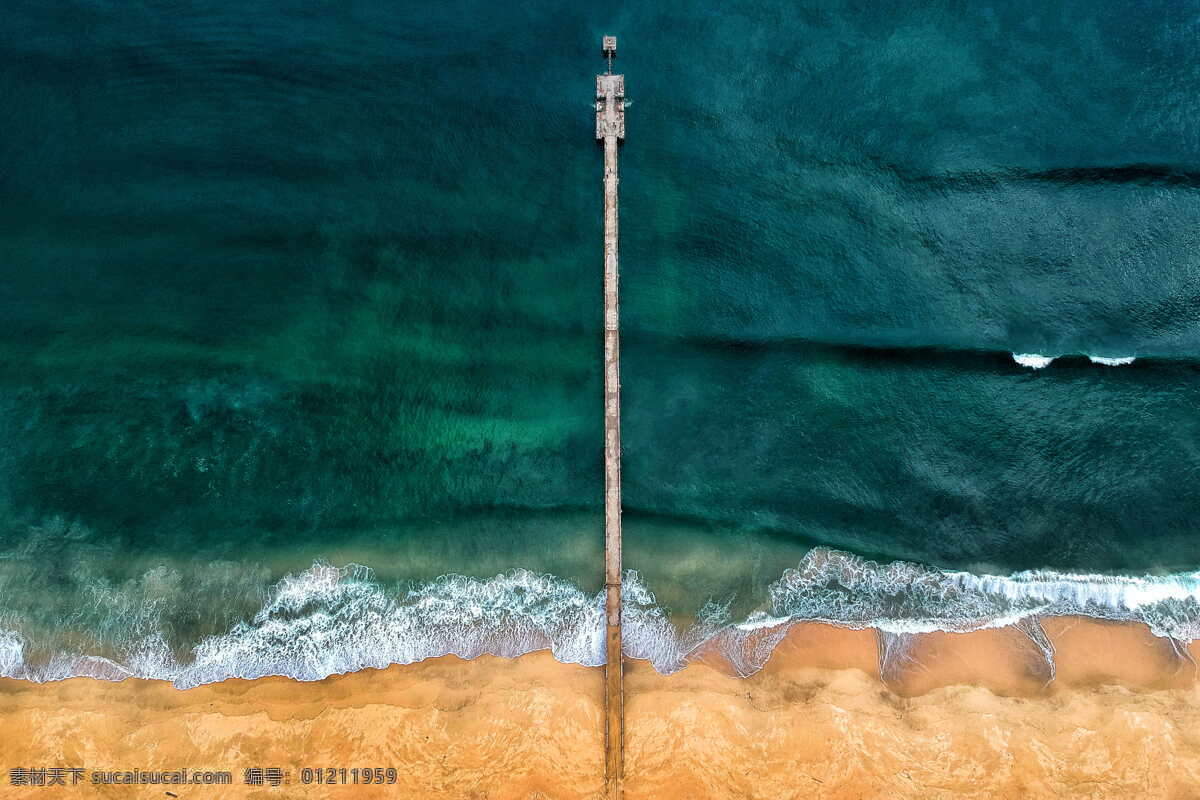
610, 106
610, 97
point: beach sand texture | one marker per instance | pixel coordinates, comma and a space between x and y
964, 715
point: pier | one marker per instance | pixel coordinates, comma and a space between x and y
610, 129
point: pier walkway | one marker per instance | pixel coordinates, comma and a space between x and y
610, 129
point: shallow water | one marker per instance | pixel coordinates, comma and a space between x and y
283, 284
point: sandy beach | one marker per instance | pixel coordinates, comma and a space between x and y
962, 715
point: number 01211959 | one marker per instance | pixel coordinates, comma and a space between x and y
348, 775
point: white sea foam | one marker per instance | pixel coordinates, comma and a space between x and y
901, 597
328, 620
1038, 361
1032, 360
12, 653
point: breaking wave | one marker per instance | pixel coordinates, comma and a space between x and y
1032, 360
1039, 361
328, 620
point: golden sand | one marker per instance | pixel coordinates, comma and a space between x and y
967, 715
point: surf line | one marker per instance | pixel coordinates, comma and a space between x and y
610, 129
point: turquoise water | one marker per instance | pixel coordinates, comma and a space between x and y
290, 284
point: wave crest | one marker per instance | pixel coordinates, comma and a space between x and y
1039, 361
1033, 360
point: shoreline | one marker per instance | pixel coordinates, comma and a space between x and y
327, 620
957, 715
1029, 657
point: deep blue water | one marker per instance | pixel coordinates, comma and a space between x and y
284, 282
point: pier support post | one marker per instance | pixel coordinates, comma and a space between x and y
610, 128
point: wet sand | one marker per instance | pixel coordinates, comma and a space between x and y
955, 715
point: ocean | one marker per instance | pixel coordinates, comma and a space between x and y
301, 342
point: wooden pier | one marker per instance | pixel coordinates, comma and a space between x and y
610, 129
